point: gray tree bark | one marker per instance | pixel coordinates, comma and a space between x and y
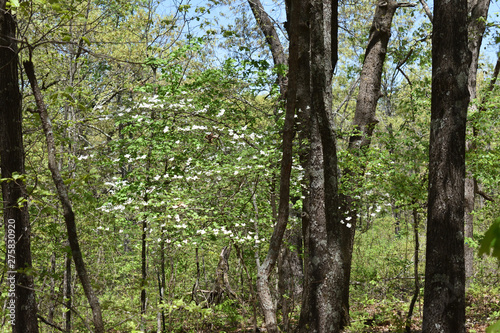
15, 206
444, 293
364, 123
322, 309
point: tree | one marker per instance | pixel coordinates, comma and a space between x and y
478, 13
444, 296
69, 215
15, 203
364, 124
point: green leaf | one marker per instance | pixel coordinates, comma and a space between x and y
491, 241
12, 4
495, 328
86, 40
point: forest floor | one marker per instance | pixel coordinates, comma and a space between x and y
482, 311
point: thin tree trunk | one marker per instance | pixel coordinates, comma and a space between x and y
23, 310
69, 216
364, 123
67, 293
416, 292
267, 266
52, 304
444, 296
143, 268
273, 40
478, 13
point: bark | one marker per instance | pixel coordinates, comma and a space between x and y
267, 266
272, 39
144, 273
363, 124
15, 208
322, 307
67, 293
478, 13
416, 292
221, 285
290, 275
444, 296
69, 216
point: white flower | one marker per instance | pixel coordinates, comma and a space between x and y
348, 225
348, 218
221, 113
165, 130
342, 221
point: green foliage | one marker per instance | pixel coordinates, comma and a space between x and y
491, 241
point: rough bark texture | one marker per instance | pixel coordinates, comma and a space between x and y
444, 296
69, 216
478, 13
15, 212
322, 306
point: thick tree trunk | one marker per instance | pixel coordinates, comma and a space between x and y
478, 13
323, 286
444, 296
23, 309
69, 216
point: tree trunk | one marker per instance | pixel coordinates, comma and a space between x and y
273, 40
67, 292
444, 296
322, 297
267, 266
22, 304
69, 215
144, 273
478, 13
363, 124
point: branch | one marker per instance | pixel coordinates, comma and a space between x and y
484, 195
272, 39
427, 10
50, 323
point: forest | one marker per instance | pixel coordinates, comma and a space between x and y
305, 166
